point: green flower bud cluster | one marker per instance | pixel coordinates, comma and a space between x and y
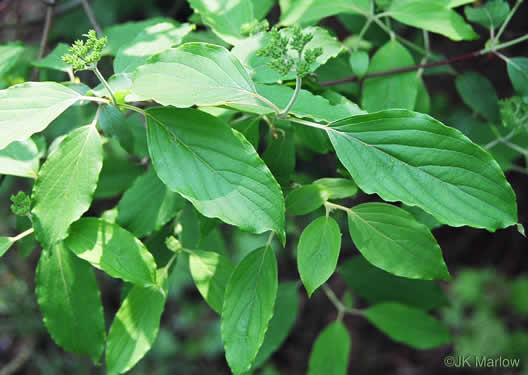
254, 27
298, 39
21, 204
310, 55
85, 55
279, 45
514, 112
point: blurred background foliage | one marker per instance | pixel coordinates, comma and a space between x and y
486, 305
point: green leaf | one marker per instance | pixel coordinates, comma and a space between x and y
490, 15
154, 39
136, 123
122, 34
71, 119
376, 285
262, 7
339, 68
359, 62
337, 188
29, 107
305, 12
390, 238
258, 66
20, 159
187, 146
205, 36
54, 59
195, 74
280, 155
519, 293
248, 307
115, 125
135, 326
225, 17
5, 244
422, 217
66, 183
413, 158
318, 252
148, 205
313, 139
70, 301
408, 325
306, 199
518, 72
392, 91
9, 55
112, 249
209, 75
330, 351
119, 171
210, 272
423, 100
280, 326
457, 3
432, 15
479, 95
250, 129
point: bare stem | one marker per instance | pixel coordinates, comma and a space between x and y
105, 84
493, 48
298, 84
403, 70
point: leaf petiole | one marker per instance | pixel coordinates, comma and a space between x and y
22, 235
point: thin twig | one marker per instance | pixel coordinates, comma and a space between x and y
91, 16
404, 69
499, 140
25, 352
50, 5
504, 45
516, 168
341, 308
508, 18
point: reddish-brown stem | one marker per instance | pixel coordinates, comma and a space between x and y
403, 70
